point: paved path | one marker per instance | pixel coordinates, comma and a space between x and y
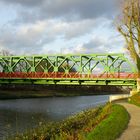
133, 130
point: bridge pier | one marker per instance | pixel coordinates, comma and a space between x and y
118, 97
138, 84
136, 89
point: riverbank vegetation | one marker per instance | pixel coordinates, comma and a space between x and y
112, 127
135, 99
41, 91
105, 122
5, 94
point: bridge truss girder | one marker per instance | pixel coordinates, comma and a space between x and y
81, 63
14, 69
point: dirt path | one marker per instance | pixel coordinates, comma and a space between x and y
133, 130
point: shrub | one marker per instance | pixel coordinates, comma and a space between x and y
72, 128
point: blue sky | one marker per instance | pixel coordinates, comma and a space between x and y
59, 26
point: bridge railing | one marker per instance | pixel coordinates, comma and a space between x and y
61, 75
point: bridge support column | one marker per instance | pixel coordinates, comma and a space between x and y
118, 97
136, 89
138, 84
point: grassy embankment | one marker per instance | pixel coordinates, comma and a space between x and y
135, 99
103, 123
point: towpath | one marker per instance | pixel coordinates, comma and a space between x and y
133, 130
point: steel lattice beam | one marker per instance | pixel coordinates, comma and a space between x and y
67, 69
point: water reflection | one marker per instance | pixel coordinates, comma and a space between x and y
21, 114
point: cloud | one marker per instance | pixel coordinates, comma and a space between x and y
34, 10
37, 24
35, 36
24, 35
97, 45
27, 3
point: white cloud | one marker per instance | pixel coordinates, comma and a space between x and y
79, 49
34, 36
97, 45
39, 24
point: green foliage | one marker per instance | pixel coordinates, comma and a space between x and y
102, 123
72, 128
112, 127
135, 99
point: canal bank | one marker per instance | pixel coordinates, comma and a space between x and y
92, 124
102, 121
38, 91
27, 113
18, 115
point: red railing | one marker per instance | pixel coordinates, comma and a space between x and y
38, 75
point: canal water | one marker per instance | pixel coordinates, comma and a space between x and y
18, 115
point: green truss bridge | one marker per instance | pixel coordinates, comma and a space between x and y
86, 69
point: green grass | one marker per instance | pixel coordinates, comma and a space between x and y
135, 99
102, 123
112, 127
68, 128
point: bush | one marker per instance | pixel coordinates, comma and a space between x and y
72, 128
103, 123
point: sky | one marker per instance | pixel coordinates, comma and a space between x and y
31, 27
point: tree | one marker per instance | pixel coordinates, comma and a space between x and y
3, 67
67, 66
129, 27
5, 53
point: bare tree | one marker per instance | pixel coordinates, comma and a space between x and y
5, 52
129, 27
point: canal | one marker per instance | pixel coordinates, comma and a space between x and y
18, 115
